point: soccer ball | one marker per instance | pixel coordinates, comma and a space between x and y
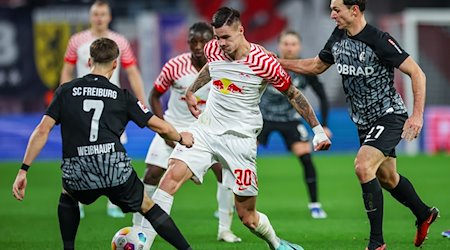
129, 238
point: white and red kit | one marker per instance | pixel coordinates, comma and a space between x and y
177, 75
226, 131
78, 52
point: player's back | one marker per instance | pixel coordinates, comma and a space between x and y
93, 115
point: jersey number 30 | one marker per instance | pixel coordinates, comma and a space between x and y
97, 106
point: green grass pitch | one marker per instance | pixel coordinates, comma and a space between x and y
32, 223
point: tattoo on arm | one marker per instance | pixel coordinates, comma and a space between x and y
202, 79
301, 104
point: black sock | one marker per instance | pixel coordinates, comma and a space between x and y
166, 228
373, 202
404, 192
310, 176
69, 219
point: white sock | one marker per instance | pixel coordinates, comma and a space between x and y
165, 201
265, 231
137, 217
225, 201
111, 205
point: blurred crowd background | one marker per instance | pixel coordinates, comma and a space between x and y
34, 36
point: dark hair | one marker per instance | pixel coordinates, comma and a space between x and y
200, 27
361, 4
225, 16
104, 50
289, 32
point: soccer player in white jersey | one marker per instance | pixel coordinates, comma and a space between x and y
226, 130
77, 54
177, 75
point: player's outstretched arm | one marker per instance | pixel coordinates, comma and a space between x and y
310, 66
168, 132
413, 124
303, 107
37, 141
202, 79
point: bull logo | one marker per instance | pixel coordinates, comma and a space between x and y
225, 86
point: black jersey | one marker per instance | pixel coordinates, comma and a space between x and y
366, 63
276, 107
93, 114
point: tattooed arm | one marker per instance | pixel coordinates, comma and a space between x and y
301, 104
202, 79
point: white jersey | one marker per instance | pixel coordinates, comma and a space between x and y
178, 74
237, 86
78, 52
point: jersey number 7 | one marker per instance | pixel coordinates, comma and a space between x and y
97, 106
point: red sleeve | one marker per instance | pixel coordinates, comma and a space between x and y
71, 51
127, 57
269, 68
165, 78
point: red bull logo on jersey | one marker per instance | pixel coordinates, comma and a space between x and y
225, 86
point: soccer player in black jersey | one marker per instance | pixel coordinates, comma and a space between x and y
93, 114
279, 115
365, 58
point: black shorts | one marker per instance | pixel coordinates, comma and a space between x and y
128, 196
385, 134
292, 132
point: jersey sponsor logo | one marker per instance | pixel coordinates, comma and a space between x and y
143, 107
225, 86
94, 91
395, 46
345, 69
362, 56
96, 149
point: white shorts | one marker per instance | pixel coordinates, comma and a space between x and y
236, 153
158, 153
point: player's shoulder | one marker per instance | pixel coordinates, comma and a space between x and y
337, 34
81, 37
184, 57
259, 54
212, 43
117, 37
179, 61
63, 88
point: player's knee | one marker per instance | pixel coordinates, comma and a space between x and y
65, 200
362, 168
300, 148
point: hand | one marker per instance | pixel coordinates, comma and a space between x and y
328, 132
20, 184
412, 127
187, 139
191, 101
320, 140
170, 143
